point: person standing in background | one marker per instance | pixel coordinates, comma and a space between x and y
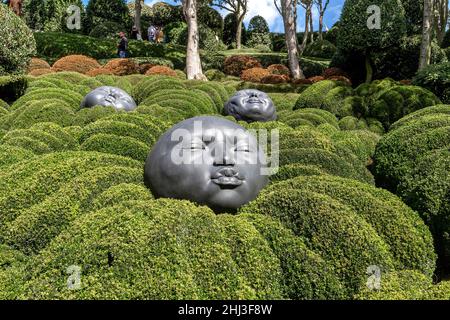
122, 46
151, 33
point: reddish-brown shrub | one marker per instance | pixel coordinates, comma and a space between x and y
254, 74
275, 79
334, 72
302, 81
37, 63
161, 70
279, 69
143, 68
316, 79
40, 72
122, 67
98, 71
341, 79
76, 63
235, 65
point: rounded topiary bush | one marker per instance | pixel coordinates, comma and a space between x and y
254, 74
122, 67
302, 204
76, 63
18, 44
161, 70
153, 84
37, 63
412, 160
320, 49
159, 257
234, 65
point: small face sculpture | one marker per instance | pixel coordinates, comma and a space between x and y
251, 106
208, 160
109, 97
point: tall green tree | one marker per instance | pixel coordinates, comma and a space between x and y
229, 30
100, 11
239, 8
369, 26
49, 15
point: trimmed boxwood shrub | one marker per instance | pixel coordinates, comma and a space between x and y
11, 154
76, 63
160, 252
121, 67
342, 237
72, 98
398, 225
215, 75
150, 85
199, 99
412, 160
308, 116
118, 145
401, 285
88, 115
119, 193
168, 114
12, 267
320, 49
28, 183
314, 95
216, 92
39, 111
234, 65
36, 226
284, 101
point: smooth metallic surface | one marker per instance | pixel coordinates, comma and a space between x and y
221, 165
109, 97
251, 106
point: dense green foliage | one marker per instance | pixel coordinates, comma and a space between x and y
435, 78
18, 44
413, 160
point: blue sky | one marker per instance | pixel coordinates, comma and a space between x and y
267, 9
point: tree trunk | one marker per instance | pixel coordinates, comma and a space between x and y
369, 69
137, 15
311, 27
193, 63
288, 13
425, 49
442, 19
321, 14
306, 34
240, 20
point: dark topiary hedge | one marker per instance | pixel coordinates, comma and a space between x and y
12, 87
435, 78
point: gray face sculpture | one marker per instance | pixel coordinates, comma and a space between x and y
208, 160
109, 97
250, 106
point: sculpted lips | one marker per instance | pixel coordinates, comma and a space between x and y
227, 177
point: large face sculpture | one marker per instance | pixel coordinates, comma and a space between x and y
250, 106
109, 97
208, 160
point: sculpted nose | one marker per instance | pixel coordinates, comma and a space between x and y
223, 157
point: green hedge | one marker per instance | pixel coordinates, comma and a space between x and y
10, 155
314, 95
118, 145
149, 256
284, 101
436, 79
408, 238
195, 102
56, 45
152, 84
35, 111
72, 98
412, 160
167, 114
343, 238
